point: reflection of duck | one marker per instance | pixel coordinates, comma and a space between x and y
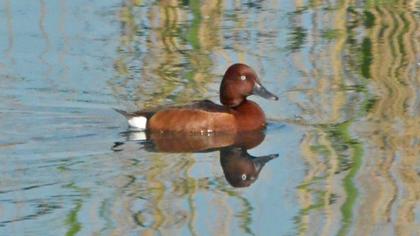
240, 168
237, 114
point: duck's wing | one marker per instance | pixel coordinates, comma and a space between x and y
205, 105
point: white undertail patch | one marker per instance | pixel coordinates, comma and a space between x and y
138, 122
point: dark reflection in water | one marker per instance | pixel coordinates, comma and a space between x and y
348, 73
240, 168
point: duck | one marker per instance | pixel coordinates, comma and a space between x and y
235, 114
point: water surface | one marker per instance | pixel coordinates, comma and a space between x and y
345, 130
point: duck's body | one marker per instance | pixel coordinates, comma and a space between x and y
237, 114
202, 116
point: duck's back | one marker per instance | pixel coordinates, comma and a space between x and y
203, 116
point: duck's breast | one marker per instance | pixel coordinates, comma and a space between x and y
249, 116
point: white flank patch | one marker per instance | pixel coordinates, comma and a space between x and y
138, 122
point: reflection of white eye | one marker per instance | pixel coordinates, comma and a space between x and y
243, 77
244, 177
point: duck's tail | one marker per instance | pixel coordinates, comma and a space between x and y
136, 121
124, 113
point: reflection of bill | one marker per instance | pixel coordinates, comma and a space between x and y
240, 168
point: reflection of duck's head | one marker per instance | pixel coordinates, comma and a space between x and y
240, 168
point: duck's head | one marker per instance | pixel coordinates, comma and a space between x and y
239, 82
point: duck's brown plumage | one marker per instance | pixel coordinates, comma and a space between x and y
206, 116
203, 116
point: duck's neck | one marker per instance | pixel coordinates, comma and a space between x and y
249, 116
231, 101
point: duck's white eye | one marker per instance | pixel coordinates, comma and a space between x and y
243, 177
243, 77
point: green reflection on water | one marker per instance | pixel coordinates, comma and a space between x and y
193, 31
366, 51
72, 221
167, 53
343, 141
72, 218
297, 38
331, 34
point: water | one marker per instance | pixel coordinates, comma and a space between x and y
345, 130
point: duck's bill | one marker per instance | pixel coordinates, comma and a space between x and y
263, 92
260, 161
